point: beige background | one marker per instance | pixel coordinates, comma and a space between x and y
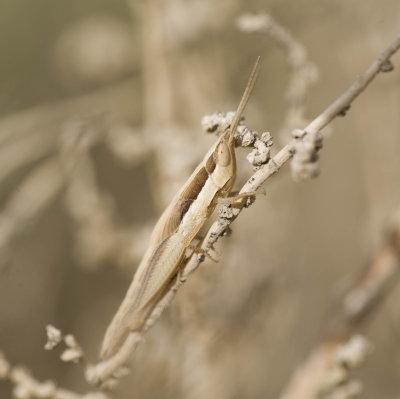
240, 327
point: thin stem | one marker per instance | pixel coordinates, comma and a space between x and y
338, 107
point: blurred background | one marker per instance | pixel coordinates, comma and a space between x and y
100, 109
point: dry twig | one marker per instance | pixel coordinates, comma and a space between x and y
306, 141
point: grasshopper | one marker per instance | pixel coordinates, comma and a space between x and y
179, 224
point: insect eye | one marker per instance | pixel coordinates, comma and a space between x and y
222, 154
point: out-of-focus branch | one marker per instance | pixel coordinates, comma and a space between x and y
373, 284
28, 136
158, 109
25, 386
98, 236
356, 305
307, 137
16, 154
43, 120
27, 202
303, 73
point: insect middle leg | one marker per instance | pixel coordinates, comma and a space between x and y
233, 199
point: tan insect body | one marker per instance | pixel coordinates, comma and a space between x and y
177, 227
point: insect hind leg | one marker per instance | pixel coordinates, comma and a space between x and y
196, 249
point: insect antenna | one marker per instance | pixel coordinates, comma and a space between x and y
244, 100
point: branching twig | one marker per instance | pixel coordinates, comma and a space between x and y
228, 214
287, 152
